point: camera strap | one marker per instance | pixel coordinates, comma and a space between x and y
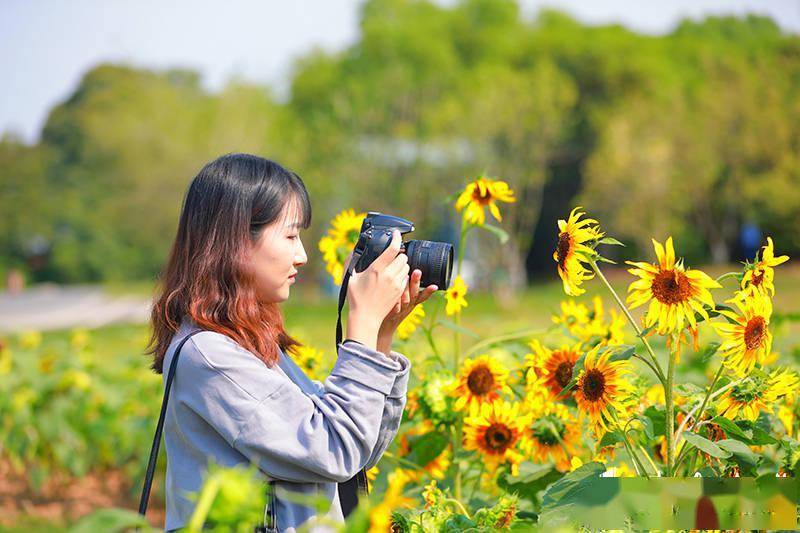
349, 490
269, 513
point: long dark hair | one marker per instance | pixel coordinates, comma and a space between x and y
225, 209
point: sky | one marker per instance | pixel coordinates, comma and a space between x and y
47, 45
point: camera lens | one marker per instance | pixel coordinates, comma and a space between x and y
434, 259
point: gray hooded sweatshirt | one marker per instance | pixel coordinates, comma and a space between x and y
228, 407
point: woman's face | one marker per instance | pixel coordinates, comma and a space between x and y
277, 256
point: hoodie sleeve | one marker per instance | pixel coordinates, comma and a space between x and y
289, 434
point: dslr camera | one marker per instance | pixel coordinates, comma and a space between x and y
434, 259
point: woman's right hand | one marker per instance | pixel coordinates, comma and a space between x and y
374, 292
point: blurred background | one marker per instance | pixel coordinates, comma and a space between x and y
678, 118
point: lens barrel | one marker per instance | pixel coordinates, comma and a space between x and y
434, 259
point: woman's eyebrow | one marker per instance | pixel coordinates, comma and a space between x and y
294, 225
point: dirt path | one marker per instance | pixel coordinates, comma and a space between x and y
48, 307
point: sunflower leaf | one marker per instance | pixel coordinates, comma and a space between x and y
730, 428
605, 259
576, 371
705, 445
500, 233
610, 240
736, 275
647, 330
531, 480
610, 438
657, 418
710, 349
739, 449
582, 487
623, 355
425, 448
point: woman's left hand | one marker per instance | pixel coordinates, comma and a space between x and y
410, 298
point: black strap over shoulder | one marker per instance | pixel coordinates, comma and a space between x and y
151, 465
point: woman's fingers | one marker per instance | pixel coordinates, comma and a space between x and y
427, 293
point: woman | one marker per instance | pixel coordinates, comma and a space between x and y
237, 397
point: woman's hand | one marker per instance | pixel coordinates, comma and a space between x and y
375, 292
410, 298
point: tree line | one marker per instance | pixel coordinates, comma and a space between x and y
694, 134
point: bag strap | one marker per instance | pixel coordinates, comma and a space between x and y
151, 465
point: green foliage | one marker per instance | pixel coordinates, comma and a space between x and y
689, 133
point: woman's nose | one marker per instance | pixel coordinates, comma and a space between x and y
301, 258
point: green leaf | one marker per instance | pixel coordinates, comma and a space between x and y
500, 233
709, 350
610, 438
455, 327
657, 417
647, 330
705, 445
576, 371
623, 355
605, 260
425, 448
583, 486
732, 429
111, 520
610, 240
532, 479
738, 448
457, 523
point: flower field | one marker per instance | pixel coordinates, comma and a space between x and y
650, 368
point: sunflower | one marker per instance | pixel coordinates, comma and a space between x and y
538, 398
758, 277
372, 473
573, 316
479, 381
555, 366
309, 359
788, 412
339, 242
602, 387
554, 435
497, 431
380, 516
436, 467
572, 238
748, 341
455, 296
480, 193
410, 323
598, 331
674, 292
757, 392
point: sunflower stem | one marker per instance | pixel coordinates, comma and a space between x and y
402, 461
640, 470
457, 438
649, 460
670, 410
658, 370
458, 504
477, 480
700, 412
503, 338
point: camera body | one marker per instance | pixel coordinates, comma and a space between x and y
434, 259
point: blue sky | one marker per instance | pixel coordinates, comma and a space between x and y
47, 45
